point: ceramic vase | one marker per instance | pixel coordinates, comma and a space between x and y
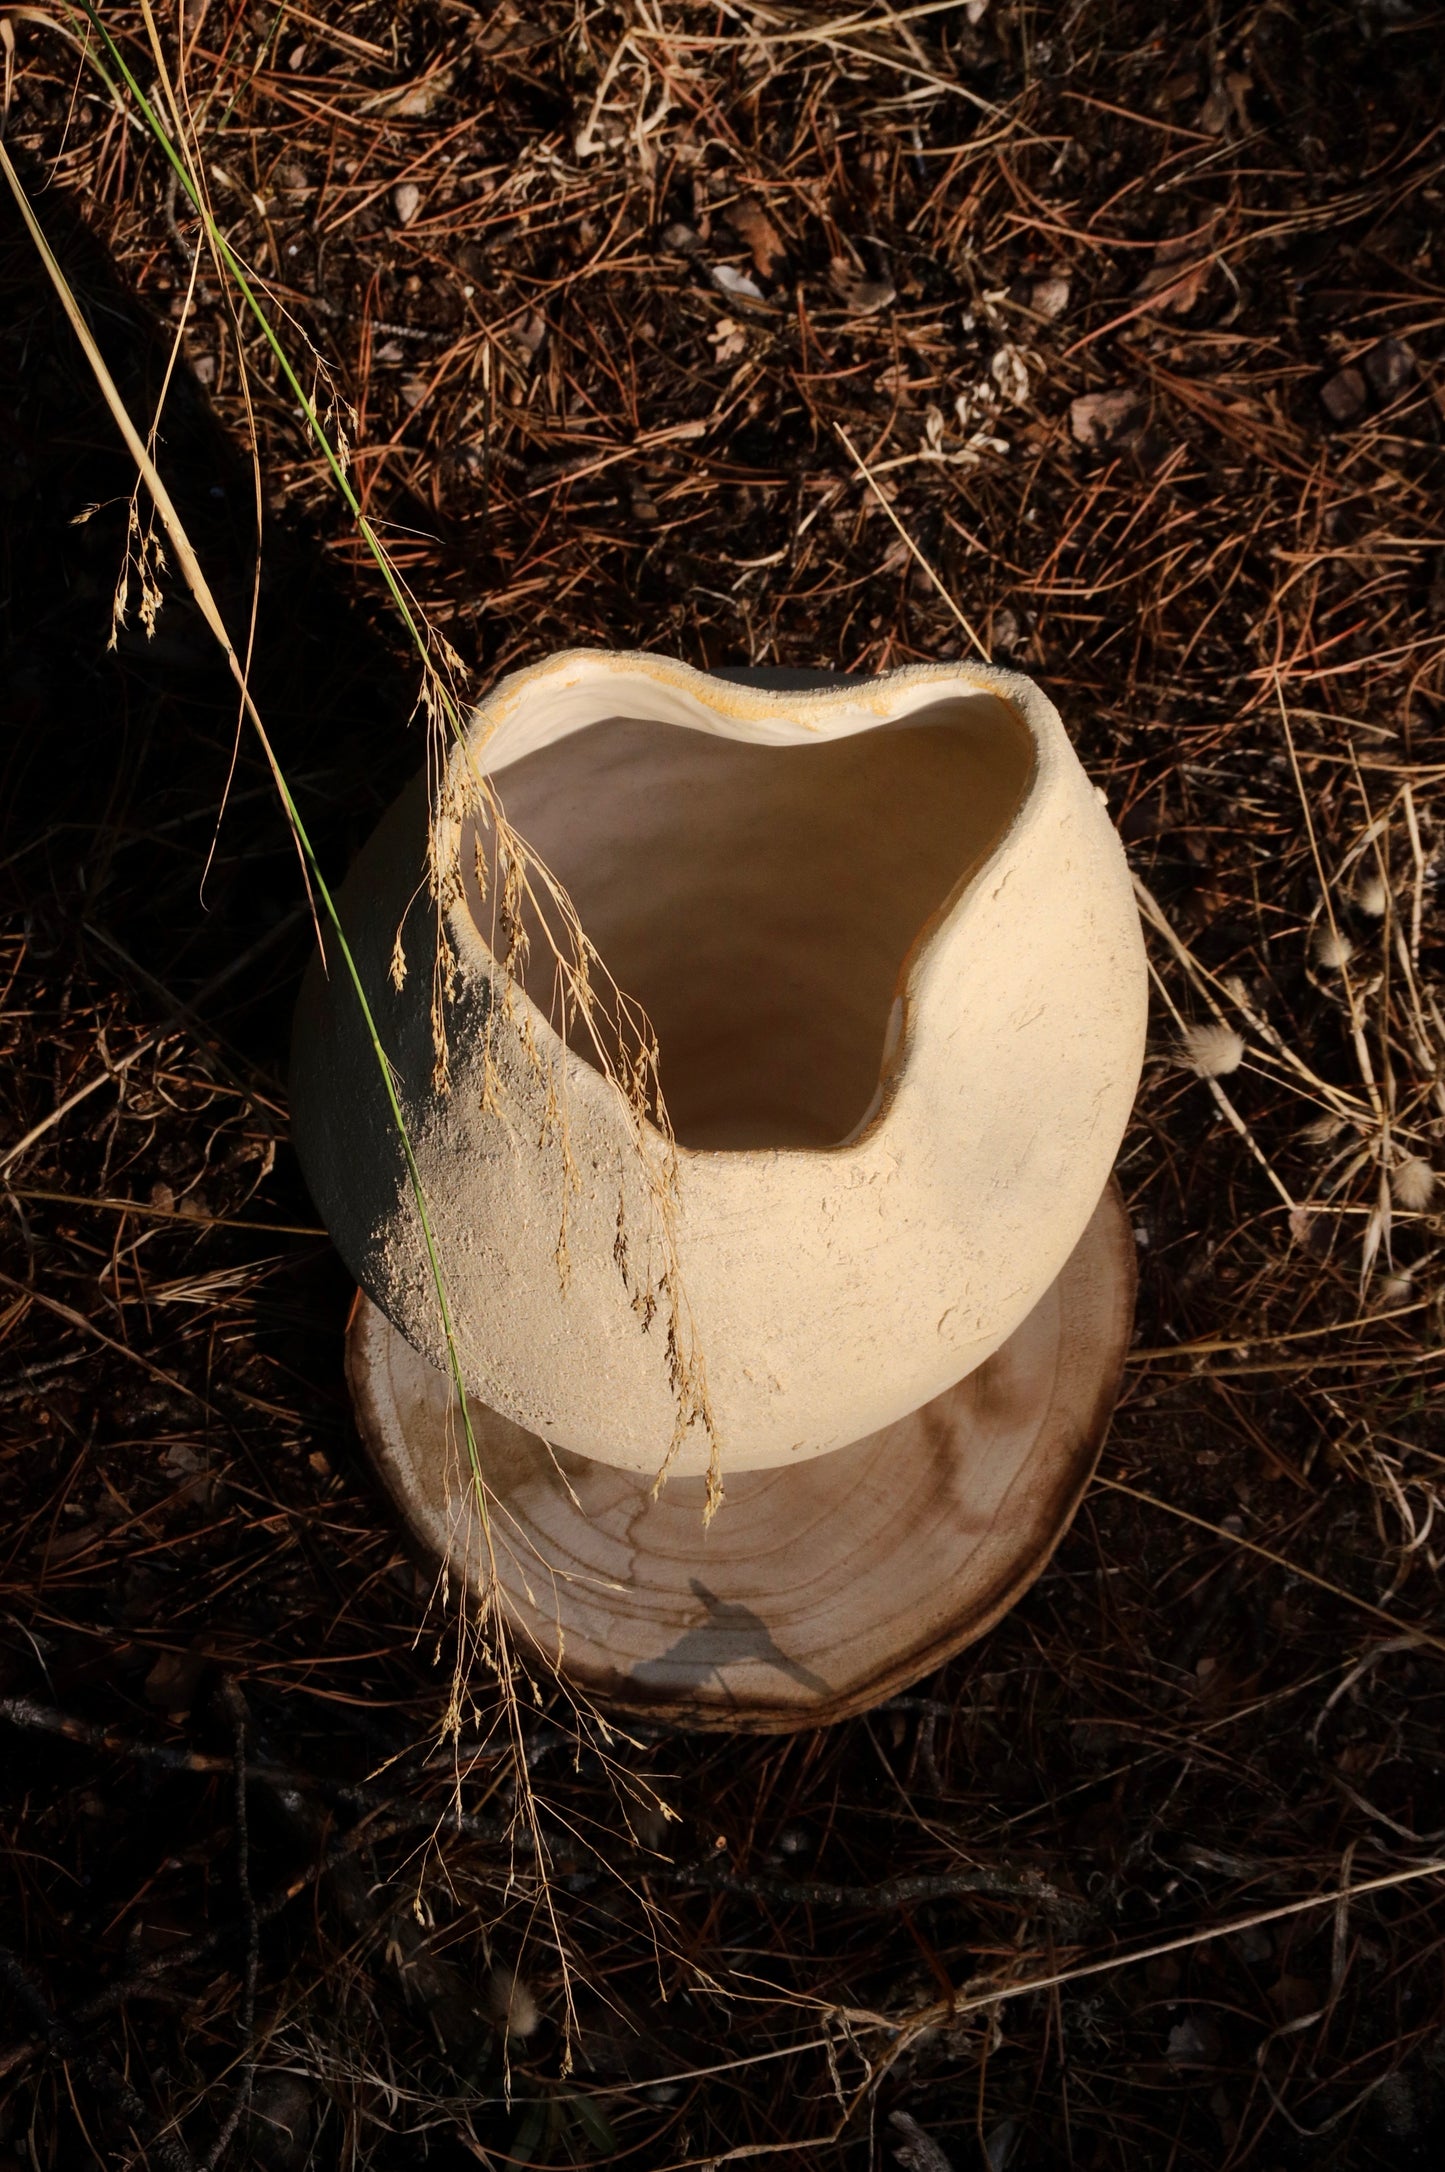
884, 935
886, 938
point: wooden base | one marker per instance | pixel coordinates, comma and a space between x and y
818, 1589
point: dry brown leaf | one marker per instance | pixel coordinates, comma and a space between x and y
1179, 273
411, 101
507, 32
915, 2149
757, 233
1104, 418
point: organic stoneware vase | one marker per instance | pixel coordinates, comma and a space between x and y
876, 1274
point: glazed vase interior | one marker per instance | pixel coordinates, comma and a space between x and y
760, 902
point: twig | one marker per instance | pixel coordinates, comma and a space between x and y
62, 2041
891, 1893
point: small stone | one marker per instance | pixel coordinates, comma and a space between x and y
1050, 298
279, 2122
406, 201
1397, 2101
1343, 396
1007, 632
1389, 365
1194, 2041
737, 283
998, 2147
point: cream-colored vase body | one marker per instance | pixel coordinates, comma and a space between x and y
886, 936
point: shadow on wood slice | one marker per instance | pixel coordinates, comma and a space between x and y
818, 1589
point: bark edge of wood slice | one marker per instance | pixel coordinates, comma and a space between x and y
820, 1588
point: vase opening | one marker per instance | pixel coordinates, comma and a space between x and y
759, 901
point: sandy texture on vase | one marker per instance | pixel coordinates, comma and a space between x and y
888, 938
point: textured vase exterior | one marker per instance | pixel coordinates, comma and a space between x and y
828, 1288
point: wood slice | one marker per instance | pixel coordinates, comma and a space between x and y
818, 1589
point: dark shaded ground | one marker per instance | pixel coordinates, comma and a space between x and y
575, 435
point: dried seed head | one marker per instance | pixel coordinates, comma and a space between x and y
1394, 1290
1332, 949
1412, 1184
1212, 1050
1010, 373
511, 2004
1371, 896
